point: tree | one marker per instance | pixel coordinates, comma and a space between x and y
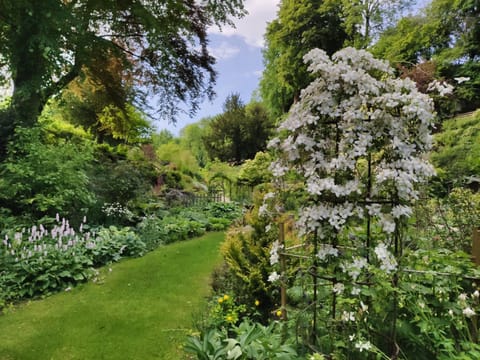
299, 27
44, 45
446, 35
366, 18
98, 101
256, 171
191, 138
406, 43
239, 132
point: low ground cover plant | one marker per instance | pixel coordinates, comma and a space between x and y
247, 341
40, 260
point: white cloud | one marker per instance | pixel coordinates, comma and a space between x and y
258, 73
223, 50
252, 27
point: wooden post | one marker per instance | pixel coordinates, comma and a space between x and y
283, 289
476, 246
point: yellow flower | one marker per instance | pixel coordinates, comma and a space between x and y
226, 297
257, 302
279, 313
220, 300
229, 318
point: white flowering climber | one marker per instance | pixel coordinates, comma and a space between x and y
355, 142
355, 109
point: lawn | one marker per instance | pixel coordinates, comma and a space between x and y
140, 309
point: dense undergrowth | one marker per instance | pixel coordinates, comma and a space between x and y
47, 258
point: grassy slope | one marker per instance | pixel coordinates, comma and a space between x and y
457, 148
142, 310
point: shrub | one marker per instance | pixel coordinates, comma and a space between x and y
42, 177
183, 223
39, 261
448, 222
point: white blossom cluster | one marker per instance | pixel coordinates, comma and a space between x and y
354, 112
442, 87
274, 276
116, 209
274, 255
354, 119
466, 307
354, 268
326, 250
386, 258
353, 109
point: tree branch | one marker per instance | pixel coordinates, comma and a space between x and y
62, 82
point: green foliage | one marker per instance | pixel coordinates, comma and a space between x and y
448, 222
161, 138
128, 125
229, 211
238, 133
177, 167
39, 261
102, 110
436, 305
443, 34
184, 223
300, 27
123, 176
169, 229
216, 171
364, 19
457, 151
250, 341
256, 171
178, 157
225, 313
191, 139
246, 254
42, 177
405, 43
161, 48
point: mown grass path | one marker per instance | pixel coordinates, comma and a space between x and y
142, 309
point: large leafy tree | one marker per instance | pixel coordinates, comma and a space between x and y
162, 46
191, 139
239, 132
446, 35
364, 19
98, 101
448, 30
299, 26
405, 43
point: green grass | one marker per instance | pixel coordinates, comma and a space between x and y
142, 309
457, 149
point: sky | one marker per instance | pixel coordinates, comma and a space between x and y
239, 60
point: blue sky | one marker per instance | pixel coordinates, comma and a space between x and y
239, 60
